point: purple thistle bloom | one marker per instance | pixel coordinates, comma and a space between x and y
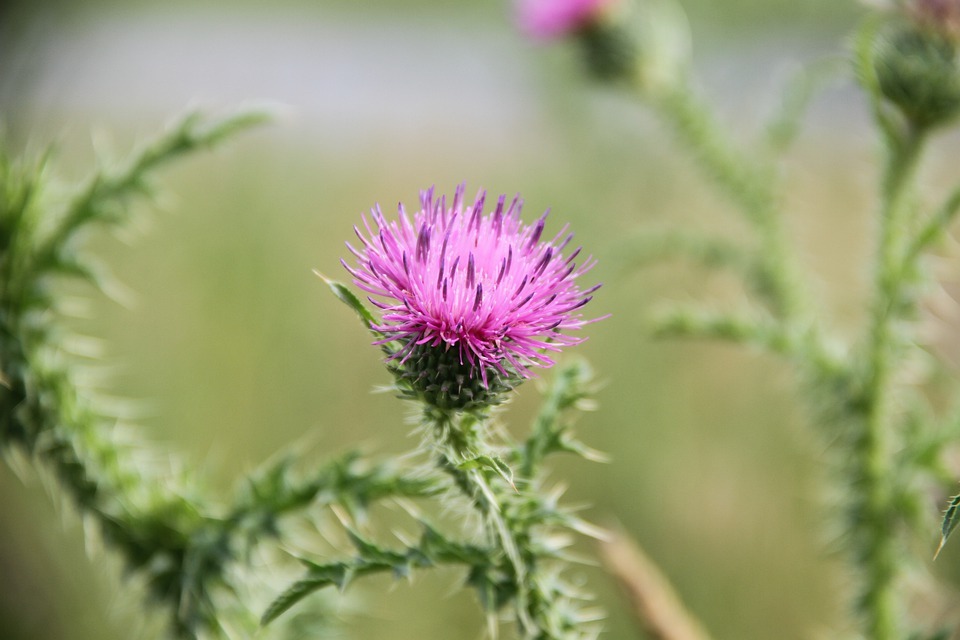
556, 18
483, 293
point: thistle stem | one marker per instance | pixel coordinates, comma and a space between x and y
874, 511
458, 440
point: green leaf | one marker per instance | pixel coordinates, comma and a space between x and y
494, 463
950, 521
374, 555
348, 298
434, 547
746, 328
317, 578
219, 130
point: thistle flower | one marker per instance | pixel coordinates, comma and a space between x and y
470, 301
558, 18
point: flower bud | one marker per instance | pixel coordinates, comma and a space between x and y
918, 70
621, 40
609, 50
609, 47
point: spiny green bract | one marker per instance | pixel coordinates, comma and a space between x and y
437, 376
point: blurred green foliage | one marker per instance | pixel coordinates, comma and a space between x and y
240, 350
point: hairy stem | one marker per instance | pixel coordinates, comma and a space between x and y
874, 515
517, 520
459, 441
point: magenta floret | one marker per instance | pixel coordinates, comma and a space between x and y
557, 18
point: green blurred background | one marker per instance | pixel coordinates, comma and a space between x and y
240, 351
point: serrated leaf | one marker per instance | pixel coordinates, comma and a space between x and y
371, 554
435, 547
494, 463
951, 518
348, 298
319, 576
227, 127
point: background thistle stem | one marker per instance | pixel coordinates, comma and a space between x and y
875, 514
751, 183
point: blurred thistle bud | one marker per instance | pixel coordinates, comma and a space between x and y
470, 301
609, 46
609, 50
646, 44
915, 58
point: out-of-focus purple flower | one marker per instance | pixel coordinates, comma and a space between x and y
557, 18
939, 15
484, 295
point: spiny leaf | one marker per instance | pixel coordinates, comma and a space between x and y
748, 328
436, 548
153, 520
571, 388
348, 298
373, 554
317, 578
212, 134
951, 518
494, 463
104, 197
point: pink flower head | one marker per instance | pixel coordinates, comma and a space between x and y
484, 289
557, 18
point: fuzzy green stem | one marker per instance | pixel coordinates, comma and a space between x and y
458, 440
513, 518
875, 513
